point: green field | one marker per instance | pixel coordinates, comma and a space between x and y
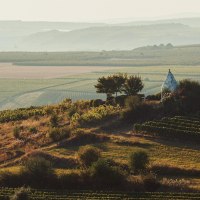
24, 92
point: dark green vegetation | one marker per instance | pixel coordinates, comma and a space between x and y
119, 83
145, 56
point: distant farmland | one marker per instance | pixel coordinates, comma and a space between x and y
144, 56
26, 86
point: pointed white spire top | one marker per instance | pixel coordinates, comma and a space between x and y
170, 83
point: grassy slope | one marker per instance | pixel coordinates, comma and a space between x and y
123, 141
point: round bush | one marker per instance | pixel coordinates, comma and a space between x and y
105, 175
54, 120
87, 155
57, 134
96, 102
139, 161
16, 132
38, 172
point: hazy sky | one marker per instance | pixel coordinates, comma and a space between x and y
92, 10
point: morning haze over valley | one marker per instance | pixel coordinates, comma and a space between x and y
99, 99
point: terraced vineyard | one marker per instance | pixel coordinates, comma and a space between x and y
176, 127
97, 195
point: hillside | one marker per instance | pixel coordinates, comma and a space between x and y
11, 32
110, 38
29, 133
192, 21
79, 36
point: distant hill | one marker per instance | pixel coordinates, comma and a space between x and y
110, 38
13, 31
70, 36
193, 22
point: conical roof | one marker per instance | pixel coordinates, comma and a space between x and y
170, 83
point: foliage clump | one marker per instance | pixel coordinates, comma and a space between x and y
88, 155
37, 171
106, 175
95, 115
16, 132
57, 134
133, 85
139, 161
54, 120
33, 130
119, 83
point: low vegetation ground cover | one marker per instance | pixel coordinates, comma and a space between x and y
176, 127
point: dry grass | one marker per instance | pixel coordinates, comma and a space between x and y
9, 146
176, 161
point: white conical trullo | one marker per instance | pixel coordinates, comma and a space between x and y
169, 85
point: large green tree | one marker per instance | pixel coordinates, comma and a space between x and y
119, 80
133, 85
106, 85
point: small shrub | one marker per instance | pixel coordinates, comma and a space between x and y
121, 100
156, 97
21, 194
87, 155
57, 134
33, 130
78, 131
38, 172
132, 102
38, 166
71, 111
105, 175
74, 120
97, 115
139, 161
49, 110
54, 120
96, 103
139, 113
16, 132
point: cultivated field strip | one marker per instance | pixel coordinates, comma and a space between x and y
99, 195
176, 127
26, 89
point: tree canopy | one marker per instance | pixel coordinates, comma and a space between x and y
133, 85
119, 83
